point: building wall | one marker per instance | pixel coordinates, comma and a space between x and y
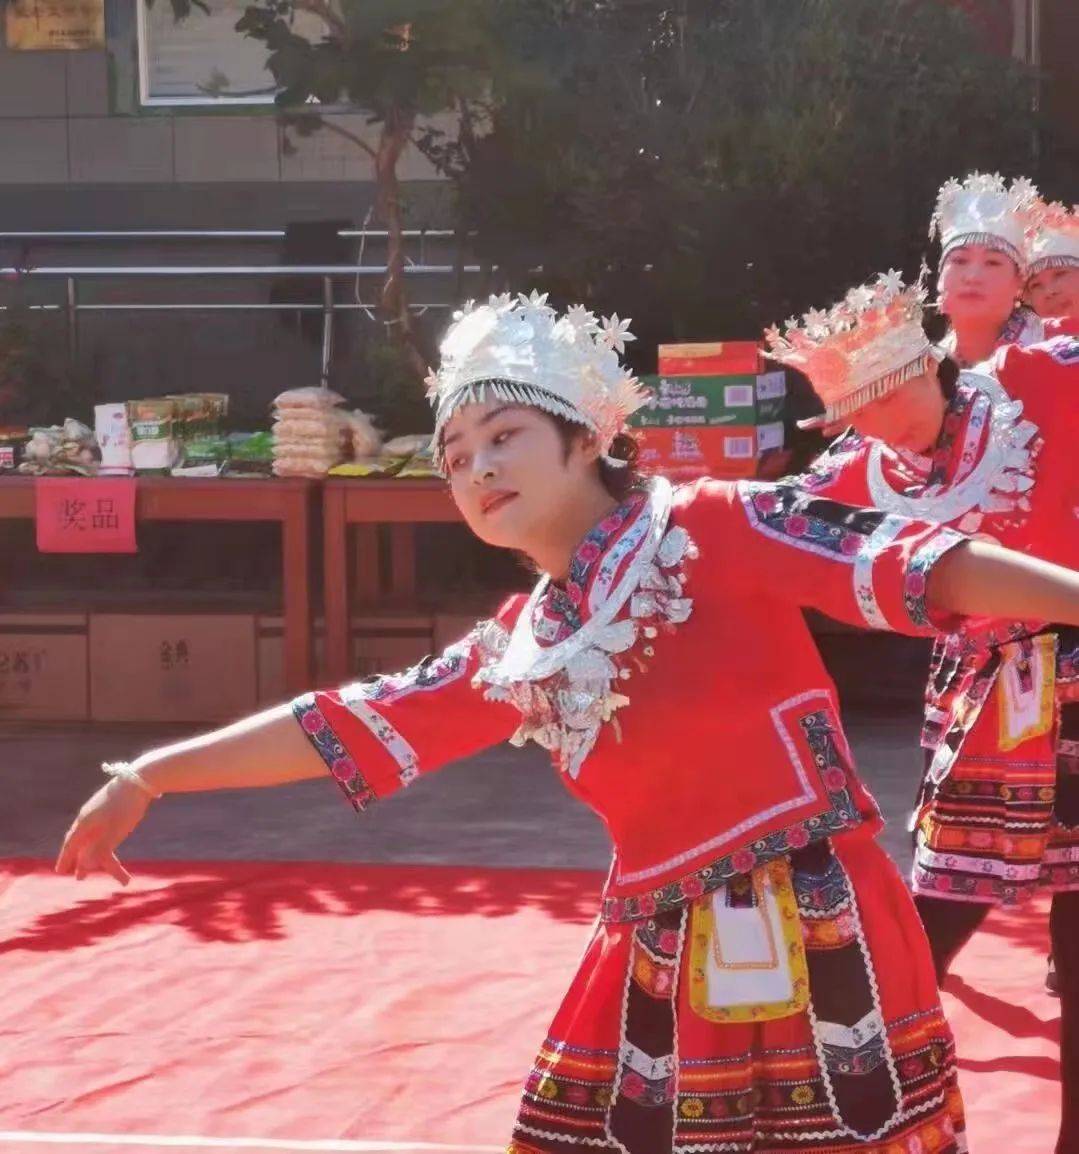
77, 152
74, 118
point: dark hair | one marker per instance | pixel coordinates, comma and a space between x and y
948, 377
618, 480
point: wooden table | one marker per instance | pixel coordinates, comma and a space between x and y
285, 500
365, 504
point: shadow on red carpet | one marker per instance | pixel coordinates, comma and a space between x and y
1007, 1030
398, 1003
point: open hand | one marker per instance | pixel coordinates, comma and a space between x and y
101, 825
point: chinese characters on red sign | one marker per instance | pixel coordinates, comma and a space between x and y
85, 515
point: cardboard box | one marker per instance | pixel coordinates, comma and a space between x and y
270, 658
693, 401
712, 358
685, 454
44, 670
172, 667
390, 643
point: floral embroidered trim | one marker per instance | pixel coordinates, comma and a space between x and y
338, 760
916, 584
560, 609
998, 482
843, 815
431, 673
488, 638
820, 718
565, 692
638, 1077
1023, 327
408, 765
857, 1049
823, 470
881, 537
821, 896
788, 514
726, 1101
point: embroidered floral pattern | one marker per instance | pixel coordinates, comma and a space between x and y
808, 522
842, 814
558, 614
346, 772
822, 472
565, 687
955, 421
916, 582
408, 765
487, 638
729, 1098
429, 674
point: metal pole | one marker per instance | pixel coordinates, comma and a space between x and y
72, 322
327, 329
257, 270
1034, 42
200, 234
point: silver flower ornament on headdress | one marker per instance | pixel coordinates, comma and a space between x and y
519, 351
982, 209
865, 346
1052, 240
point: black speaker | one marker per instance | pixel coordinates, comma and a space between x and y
312, 242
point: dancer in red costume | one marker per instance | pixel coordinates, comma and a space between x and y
1052, 248
985, 227
982, 224
758, 979
989, 451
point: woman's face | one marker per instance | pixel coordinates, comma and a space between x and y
906, 418
1054, 292
978, 284
511, 474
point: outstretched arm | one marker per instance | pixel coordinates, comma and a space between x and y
979, 579
884, 571
266, 749
372, 738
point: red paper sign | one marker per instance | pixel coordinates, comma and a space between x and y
85, 514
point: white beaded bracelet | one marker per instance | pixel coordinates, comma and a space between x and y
124, 769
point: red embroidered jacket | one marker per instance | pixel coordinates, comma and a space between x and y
671, 676
1003, 467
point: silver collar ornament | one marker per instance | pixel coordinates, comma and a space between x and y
998, 483
567, 691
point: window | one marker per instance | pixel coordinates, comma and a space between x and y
202, 60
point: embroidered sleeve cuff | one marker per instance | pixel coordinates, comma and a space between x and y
348, 736
916, 584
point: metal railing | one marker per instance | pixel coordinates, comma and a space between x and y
71, 275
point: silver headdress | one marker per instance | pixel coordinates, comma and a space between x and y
1053, 239
867, 345
983, 210
517, 350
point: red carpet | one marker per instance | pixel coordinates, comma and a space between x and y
1007, 1031
377, 1004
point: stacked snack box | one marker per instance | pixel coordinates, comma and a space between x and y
713, 411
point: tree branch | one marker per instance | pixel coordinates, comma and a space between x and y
360, 143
